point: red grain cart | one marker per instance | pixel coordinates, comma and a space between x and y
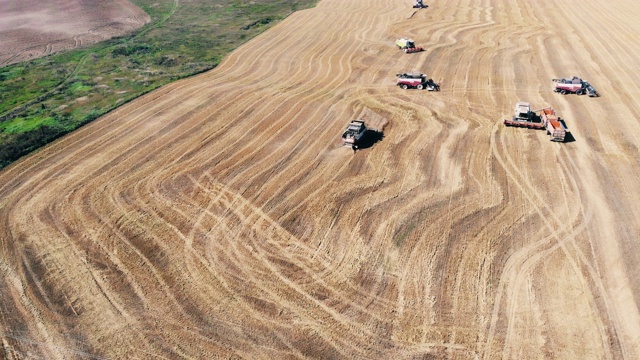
555, 128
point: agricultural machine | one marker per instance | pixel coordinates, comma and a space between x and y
538, 119
420, 5
408, 46
416, 80
354, 132
574, 85
555, 128
524, 117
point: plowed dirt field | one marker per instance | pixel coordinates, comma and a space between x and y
33, 28
219, 216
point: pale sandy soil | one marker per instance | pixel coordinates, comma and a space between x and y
33, 28
220, 217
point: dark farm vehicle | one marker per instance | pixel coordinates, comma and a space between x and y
408, 46
354, 132
420, 5
416, 80
574, 85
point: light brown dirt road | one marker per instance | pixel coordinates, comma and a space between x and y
33, 28
220, 217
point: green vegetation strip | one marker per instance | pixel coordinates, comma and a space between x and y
43, 99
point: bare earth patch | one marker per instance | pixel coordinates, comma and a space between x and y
31, 28
220, 217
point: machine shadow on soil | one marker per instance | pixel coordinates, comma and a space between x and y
569, 135
370, 138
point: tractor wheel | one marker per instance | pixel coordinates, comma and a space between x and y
419, 87
404, 86
579, 92
563, 92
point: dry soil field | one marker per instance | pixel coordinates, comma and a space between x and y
220, 217
35, 28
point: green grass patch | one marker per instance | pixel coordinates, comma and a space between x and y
44, 98
12, 73
79, 87
20, 124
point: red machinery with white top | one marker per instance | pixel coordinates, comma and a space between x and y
417, 81
574, 85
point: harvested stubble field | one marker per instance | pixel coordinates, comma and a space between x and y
33, 28
220, 217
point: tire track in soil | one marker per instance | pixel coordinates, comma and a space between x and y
220, 204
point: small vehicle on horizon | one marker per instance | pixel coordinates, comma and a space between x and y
420, 5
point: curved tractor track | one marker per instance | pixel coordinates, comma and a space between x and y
220, 216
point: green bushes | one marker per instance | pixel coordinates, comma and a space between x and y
124, 50
43, 99
14, 147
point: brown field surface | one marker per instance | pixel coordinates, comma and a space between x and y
33, 28
220, 217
